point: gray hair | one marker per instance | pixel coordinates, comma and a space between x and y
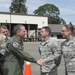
17, 28
4, 27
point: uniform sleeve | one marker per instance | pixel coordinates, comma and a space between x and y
56, 52
20, 53
56, 49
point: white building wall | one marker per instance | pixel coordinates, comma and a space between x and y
4, 18
13, 18
40, 21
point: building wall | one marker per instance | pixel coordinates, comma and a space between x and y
56, 30
4, 18
28, 19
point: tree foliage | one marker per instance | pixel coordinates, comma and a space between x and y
18, 6
70, 23
62, 21
51, 11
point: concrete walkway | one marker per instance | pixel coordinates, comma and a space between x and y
32, 48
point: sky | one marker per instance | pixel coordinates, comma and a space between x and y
66, 7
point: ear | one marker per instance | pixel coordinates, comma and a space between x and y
47, 33
18, 33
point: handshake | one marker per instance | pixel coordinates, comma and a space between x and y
40, 62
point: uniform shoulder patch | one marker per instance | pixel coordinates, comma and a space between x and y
15, 44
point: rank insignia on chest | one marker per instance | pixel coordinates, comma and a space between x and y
15, 44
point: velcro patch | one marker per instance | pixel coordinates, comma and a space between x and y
15, 44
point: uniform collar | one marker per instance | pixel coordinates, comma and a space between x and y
45, 42
19, 41
71, 41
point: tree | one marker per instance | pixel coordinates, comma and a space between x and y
18, 6
51, 11
70, 23
62, 21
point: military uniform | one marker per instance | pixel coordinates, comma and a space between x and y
49, 51
15, 56
68, 51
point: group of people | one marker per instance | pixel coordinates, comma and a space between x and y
50, 51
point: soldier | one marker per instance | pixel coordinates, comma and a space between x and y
14, 54
68, 49
49, 52
3, 30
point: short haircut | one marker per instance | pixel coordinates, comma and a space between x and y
47, 29
4, 27
17, 28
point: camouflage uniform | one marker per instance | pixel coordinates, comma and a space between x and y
49, 51
68, 51
14, 57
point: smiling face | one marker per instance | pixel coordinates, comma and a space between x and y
4, 31
44, 33
22, 32
65, 32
